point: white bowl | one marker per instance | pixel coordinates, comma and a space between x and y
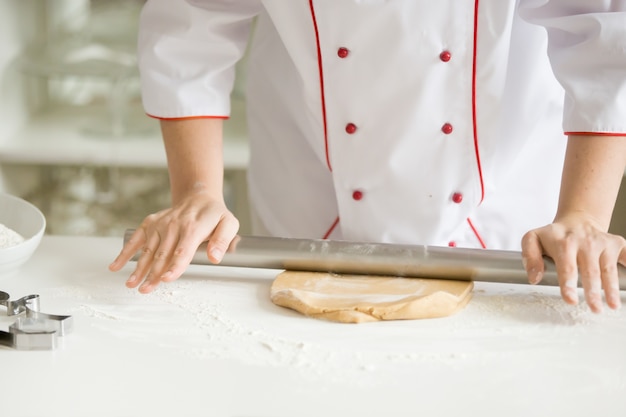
27, 220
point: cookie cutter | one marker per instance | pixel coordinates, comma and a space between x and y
32, 330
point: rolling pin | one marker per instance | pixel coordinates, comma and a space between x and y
410, 261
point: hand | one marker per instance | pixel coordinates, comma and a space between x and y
578, 246
169, 239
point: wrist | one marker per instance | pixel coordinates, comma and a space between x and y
197, 189
582, 218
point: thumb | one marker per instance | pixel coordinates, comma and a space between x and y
532, 257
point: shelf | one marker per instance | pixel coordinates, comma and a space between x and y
61, 136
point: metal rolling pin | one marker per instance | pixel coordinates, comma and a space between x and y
411, 261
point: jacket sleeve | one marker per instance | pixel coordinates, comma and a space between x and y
187, 51
587, 50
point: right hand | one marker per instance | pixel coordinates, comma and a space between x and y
169, 239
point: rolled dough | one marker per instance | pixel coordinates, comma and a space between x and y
358, 299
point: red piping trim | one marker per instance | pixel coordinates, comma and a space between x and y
323, 99
187, 117
474, 117
480, 239
321, 72
332, 227
595, 134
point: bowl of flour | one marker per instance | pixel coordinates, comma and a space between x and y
22, 226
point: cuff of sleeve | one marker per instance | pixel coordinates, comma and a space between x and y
594, 113
188, 117
181, 108
594, 133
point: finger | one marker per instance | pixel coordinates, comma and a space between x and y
220, 240
567, 269
622, 250
129, 250
145, 260
181, 258
621, 259
160, 260
590, 276
532, 257
622, 254
610, 282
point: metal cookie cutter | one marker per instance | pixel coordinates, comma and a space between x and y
33, 330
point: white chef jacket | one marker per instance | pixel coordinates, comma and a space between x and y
407, 121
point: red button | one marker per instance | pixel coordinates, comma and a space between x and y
350, 128
457, 197
445, 56
357, 195
452, 244
342, 52
447, 128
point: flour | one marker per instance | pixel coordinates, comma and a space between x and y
9, 237
234, 320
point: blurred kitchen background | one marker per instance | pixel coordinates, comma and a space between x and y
73, 137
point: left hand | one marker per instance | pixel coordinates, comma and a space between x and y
578, 246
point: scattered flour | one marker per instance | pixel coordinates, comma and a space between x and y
222, 319
9, 237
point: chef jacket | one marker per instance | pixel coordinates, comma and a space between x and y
406, 121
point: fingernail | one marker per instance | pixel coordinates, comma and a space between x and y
571, 294
535, 276
217, 254
131, 279
596, 305
166, 275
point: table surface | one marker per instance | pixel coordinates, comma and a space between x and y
213, 344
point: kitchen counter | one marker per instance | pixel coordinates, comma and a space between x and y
212, 344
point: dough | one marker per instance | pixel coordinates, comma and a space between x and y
358, 299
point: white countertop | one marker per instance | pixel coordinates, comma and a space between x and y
212, 344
